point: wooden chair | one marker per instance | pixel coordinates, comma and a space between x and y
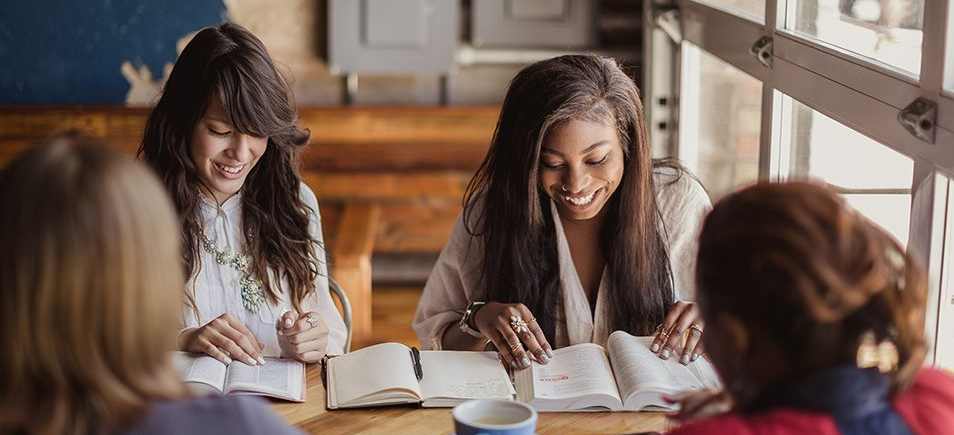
342, 297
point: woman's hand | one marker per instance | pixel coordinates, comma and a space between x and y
224, 338
303, 337
512, 328
683, 318
696, 405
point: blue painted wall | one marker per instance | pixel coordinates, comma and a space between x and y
70, 52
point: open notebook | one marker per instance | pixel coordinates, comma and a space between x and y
384, 374
625, 376
280, 378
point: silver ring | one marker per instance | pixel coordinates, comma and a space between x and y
518, 324
563, 188
312, 320
696, 328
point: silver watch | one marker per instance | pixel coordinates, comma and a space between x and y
464, 324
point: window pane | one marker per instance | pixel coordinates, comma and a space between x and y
754, 9
873, 178
888, 31
719, 122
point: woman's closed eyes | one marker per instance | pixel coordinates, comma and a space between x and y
558, 165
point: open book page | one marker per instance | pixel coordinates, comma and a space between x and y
376, 375
282, 378
207, 372
639, 372
577, 377
451, 377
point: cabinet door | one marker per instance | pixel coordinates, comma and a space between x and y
386, 36
533, 23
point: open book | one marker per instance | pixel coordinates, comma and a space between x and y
625, 376
280, 378
384, 374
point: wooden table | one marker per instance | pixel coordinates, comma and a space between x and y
312, 417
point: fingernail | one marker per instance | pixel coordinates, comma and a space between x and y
525, 361
695, 356
685, 359
288, 323
549, 353
261, 360
664, 354
544, 358
228, 360
654, 348
251, 362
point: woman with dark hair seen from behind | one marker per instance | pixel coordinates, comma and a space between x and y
839, 349
91, 281
570, 230
223, 139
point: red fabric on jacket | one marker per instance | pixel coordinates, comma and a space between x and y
927, 406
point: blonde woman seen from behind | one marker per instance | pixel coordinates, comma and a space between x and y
90, 276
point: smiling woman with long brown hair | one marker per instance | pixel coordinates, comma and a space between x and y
223, 139
570, 229
91, 285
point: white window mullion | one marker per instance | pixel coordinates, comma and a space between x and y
926, 239
768, 142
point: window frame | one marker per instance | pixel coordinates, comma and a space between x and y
864, 95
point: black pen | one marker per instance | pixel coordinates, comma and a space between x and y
416, 360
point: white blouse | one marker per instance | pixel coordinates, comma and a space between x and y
216, 287
682, 203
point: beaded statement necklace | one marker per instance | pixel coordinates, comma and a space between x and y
252, 294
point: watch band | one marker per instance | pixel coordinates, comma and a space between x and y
464, 323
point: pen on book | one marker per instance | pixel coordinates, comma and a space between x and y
416, 360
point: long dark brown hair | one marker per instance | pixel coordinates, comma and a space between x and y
800, 269
515, 222
229, 63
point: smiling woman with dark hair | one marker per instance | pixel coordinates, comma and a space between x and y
570, 229
223, 139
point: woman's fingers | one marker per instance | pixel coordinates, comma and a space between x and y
663, 332
693, 345
286, 321
530, 335
503, 348
687, 315
237, 333
206, 347
228, 346
513, 342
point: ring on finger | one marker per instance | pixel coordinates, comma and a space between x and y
312, 320
518, 324
515, 347
695, 327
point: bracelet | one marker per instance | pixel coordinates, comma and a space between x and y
464, 323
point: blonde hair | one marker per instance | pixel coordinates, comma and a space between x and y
91, 287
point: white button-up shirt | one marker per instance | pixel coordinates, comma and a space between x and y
682, 203
216, 287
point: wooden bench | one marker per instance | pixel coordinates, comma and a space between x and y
389, 180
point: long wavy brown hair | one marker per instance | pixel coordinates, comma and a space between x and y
514, 221
798, 267
89, 278
229, 63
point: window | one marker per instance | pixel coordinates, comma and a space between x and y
879, 182
888, 31
780, 89
719, 139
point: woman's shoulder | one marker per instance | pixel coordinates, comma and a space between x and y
212, 414
777, 422
678, 191
928, 404
307, 195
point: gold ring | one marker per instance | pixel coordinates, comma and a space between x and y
695, 327
515, 347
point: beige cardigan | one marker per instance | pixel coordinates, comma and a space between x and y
451, 286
